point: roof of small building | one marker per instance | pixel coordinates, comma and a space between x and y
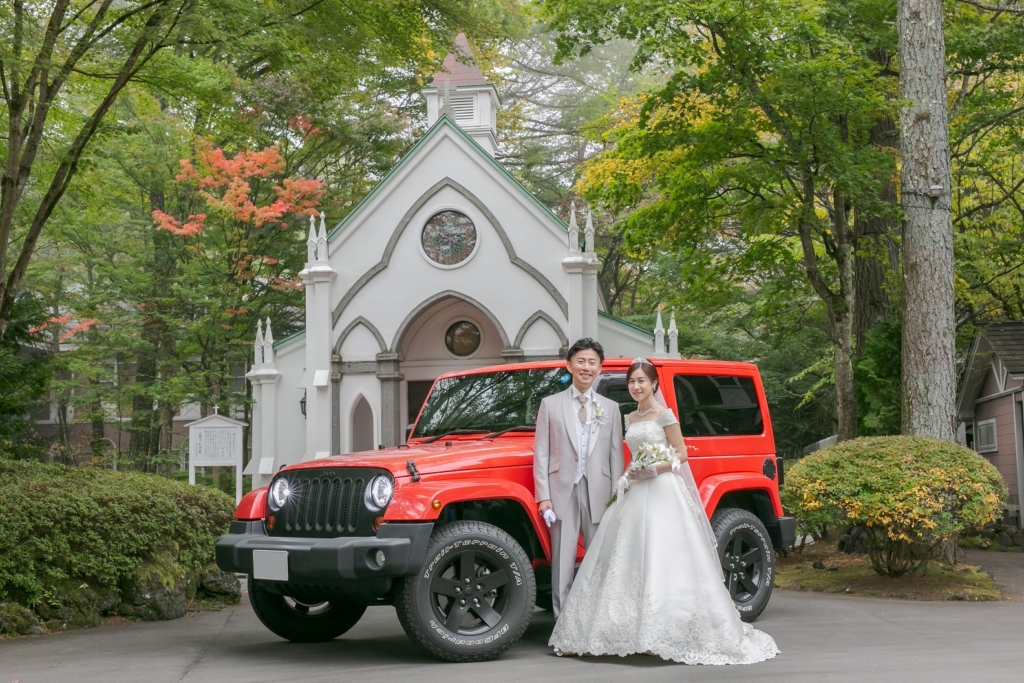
459, 67
1001, 344
1007, 340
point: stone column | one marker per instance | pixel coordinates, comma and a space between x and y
581, 280
264, 376
388, 372
317, 277
335, 404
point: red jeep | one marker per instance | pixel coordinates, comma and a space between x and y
445, 527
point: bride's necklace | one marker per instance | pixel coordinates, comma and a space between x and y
644, 413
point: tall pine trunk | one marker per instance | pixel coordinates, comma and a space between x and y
928, 319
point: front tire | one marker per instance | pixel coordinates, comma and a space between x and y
748, 560
474, 597
301, 622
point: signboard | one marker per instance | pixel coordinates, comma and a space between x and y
216, 445
216, 441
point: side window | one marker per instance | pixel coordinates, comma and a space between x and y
717, 405
613, 385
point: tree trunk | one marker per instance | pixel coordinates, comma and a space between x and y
844, 316
839, 306
877, 254
97, 419
928, 319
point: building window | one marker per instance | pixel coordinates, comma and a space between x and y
462, 338
449, 238
985, 436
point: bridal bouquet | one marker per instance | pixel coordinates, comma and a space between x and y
648, 454
651, 454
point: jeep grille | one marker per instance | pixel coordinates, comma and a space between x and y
326, 503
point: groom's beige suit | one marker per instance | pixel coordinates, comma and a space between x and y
578, 490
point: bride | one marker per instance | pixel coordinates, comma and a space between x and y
651, 581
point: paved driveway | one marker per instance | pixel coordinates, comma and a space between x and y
822, 637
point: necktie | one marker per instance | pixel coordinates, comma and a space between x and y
583, 409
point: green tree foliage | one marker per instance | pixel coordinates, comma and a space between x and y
911, 494
758, 152
154, 319
878, 371
65, 64
769, 160
24, 376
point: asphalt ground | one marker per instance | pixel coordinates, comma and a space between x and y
822, 638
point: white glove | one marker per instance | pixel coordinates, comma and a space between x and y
549, 517
649, 472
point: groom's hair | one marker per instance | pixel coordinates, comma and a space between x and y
582, 345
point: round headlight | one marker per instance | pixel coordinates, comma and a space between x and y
379, 492
279, 493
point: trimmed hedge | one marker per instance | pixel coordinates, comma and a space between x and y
98, 527
912, 494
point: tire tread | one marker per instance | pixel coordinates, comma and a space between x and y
404, 596
725, 518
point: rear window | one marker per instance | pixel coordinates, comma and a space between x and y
717, 405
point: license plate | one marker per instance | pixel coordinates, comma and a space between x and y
270, 565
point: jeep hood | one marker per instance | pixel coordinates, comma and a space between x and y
436, 458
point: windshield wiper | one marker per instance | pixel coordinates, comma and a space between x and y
517, 428
452, 432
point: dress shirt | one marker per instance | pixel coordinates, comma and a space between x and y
582, 430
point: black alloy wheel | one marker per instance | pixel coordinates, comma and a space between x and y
470, 594
475, 596
302, 622
748, 560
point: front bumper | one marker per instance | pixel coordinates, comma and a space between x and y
324, 561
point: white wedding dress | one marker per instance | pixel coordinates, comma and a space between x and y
651, 581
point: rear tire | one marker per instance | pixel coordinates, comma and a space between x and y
299, 622
474, 597
748, 560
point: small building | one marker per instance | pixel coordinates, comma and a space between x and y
990, 407
447, 264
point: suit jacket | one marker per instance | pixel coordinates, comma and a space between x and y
555, 453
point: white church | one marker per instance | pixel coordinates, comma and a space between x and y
447, 264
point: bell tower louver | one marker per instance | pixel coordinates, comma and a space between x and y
461, 91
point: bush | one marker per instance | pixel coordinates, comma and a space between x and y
98, 527
912, 494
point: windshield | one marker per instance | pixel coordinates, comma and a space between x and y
489, 402
497, 401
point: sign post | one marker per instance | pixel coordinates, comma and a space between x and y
216, 441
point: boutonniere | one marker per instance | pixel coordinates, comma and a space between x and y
600, 417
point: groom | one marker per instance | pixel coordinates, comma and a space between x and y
577, 458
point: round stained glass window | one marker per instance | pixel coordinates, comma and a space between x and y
449, 238
462, 338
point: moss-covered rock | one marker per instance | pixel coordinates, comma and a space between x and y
74, 605
220, 586
16, 620
156, 590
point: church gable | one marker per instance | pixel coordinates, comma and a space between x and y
513, 254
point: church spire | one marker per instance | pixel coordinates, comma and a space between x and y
461, 91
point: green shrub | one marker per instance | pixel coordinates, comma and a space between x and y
911, 493
98, 526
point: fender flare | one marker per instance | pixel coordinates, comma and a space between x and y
714, 487
252, 505
423, 501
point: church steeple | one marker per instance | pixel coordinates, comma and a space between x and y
462, 92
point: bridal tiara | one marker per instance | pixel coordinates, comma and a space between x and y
641, 361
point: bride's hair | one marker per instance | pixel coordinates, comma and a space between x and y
647, 368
